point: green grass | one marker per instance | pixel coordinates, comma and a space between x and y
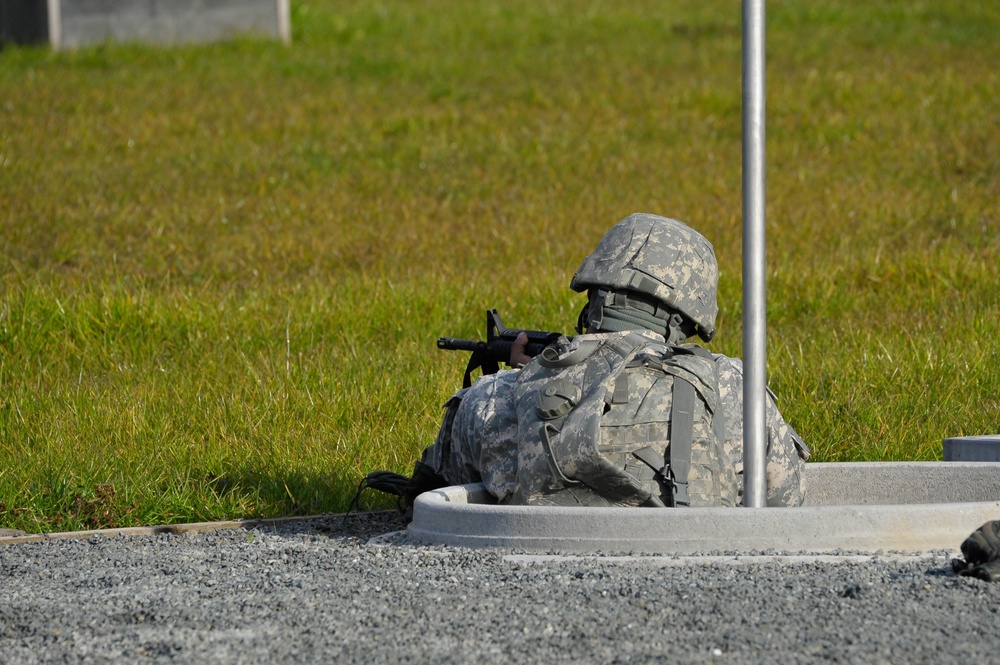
224, 267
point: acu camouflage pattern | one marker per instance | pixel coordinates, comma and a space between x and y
478, 439
786, 451
585, 406
660, 257
640, 420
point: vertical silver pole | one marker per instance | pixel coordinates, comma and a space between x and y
55, 23
754, 267
283, 8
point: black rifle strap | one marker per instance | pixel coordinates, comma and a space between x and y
383, 481
481, 360
681, 438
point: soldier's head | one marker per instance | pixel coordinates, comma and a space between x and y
650, 272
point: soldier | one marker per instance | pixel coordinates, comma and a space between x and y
649, 276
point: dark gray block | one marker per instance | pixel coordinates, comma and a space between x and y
24, 22
972, 448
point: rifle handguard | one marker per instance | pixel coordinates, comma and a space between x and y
488, 355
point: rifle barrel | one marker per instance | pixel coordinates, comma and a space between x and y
454, 344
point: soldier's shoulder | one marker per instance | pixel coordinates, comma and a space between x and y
728, 363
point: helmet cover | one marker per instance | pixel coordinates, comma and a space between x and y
659, 257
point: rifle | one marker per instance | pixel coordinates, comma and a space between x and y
488, 355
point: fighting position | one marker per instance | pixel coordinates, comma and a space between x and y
626, 413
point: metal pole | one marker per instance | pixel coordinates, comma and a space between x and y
55, 23
283, 8
754, 267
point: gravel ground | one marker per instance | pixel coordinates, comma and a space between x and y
320, 591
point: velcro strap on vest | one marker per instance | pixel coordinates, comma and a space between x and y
620, 395
650, 458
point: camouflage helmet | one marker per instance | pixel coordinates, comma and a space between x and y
658, 257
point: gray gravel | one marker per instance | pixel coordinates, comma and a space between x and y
318, 591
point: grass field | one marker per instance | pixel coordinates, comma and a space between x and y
224, 267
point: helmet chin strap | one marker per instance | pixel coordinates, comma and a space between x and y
677, 334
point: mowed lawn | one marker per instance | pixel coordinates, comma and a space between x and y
224, 267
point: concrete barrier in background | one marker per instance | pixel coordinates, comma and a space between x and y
72, 23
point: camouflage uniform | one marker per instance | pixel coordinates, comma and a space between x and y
477, 441
648, 273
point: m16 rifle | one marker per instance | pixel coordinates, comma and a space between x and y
488, 355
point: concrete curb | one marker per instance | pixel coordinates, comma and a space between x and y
731, 560
895, 506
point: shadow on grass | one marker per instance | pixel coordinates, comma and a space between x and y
61, 502
288, 493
